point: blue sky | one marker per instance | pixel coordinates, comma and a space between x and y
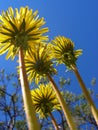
74, 19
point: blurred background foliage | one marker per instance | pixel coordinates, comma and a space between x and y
12, 116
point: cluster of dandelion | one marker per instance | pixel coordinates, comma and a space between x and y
22, 35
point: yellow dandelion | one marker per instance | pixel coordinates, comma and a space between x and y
44, 100
20, 29
63, 51
38, 63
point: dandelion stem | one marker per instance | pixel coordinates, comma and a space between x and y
63, 104
54, 121
86, 93
28, 105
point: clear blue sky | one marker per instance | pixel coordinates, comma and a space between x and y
75, 19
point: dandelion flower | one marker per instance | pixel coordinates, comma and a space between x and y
38, 63
20, 29
44, 100
63, 51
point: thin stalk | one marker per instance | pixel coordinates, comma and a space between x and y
28, 105
64, 107
62, 120
53, 121
86, 93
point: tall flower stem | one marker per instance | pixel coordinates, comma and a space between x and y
53, 121
64, 107
28, 106
86, 93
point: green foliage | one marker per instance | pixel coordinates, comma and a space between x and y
80, 109
21, 125
12, 103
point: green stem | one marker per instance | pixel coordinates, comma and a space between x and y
28, 105
64, 107
86, 93
53, 121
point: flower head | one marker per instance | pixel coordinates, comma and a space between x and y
38, 63
63, 51
44, 100
20, 29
